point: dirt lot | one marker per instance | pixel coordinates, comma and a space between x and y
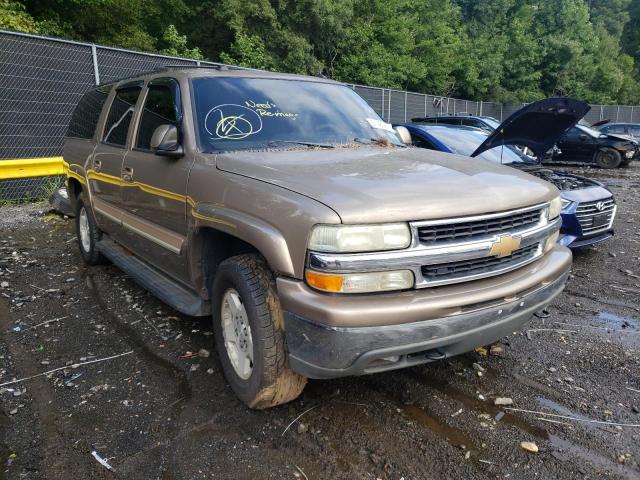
155, 413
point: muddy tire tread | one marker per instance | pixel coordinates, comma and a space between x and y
279, 383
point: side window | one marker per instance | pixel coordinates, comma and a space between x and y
161, 106
86, 114
635, 131
573, 133
420, 142
450, 121
119, 119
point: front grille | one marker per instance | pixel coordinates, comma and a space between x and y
467, 230
478, 266
593, 219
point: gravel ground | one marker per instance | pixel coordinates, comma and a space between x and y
164, 411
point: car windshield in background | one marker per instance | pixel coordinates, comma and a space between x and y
492, 122
589, 131
236, 113
465, 142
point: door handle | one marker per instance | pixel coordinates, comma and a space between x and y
97, 165
127, 174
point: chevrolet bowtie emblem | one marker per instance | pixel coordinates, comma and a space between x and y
504, 246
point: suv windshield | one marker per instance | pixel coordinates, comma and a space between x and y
236, 113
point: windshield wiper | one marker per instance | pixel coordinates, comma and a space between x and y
272, 143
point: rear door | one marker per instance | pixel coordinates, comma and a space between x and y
154, 186
104, 169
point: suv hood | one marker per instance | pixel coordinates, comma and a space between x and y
538, 125
374, 184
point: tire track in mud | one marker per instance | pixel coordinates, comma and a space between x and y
580, 453
163, 367
56, 458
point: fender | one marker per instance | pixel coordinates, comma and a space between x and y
267, 239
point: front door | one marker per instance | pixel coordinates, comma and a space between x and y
104, 168
154, 186
576, 146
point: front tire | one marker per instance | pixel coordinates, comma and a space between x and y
87, 232
608, 158
249, 332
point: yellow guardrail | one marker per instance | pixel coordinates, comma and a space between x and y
31, 167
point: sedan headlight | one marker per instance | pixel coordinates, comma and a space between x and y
359, 238
629, 153
360, 282
555, 207
565, 204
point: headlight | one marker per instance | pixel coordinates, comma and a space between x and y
565, 204
360, 282
629, 153
554, 208
551, 241
359, 238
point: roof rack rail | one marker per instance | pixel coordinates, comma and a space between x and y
218, 66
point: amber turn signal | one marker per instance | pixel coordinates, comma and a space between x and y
324, 281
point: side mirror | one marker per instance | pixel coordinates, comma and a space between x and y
404, 134
584, 136
165, 141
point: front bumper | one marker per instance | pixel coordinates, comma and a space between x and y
333, 336
571, 241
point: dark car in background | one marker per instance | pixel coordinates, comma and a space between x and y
631, 130
588, 207
585, 145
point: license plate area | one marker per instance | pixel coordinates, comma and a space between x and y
601, 220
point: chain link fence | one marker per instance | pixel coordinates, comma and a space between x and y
41, 80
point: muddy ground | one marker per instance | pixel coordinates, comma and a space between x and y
160, 413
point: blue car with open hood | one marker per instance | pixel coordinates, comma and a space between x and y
589, 207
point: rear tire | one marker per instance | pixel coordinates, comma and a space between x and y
87, 232
608, 158
249, 332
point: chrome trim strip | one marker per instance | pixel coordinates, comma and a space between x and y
152, 238
414, 258
104, 210
586, 230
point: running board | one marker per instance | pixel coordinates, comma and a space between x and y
167, 290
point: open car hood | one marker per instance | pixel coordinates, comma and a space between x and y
538, 125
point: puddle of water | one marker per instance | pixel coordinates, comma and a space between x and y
618, 322
452, 435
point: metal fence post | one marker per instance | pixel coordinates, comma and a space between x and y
631, 114
601, 112
389, 107
96, 71
425, 105
382, 103
405, 107
617, 113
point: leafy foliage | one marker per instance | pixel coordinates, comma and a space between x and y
500, 50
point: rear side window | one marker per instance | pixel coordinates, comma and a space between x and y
85, 117
119, 119
161, 107
420, 142
450, 121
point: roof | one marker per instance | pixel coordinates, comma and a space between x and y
195, 71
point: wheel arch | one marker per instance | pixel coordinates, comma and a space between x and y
211, 243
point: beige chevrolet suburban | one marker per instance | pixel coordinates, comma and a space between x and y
319, 243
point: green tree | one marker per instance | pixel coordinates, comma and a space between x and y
14, 16
176, 45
